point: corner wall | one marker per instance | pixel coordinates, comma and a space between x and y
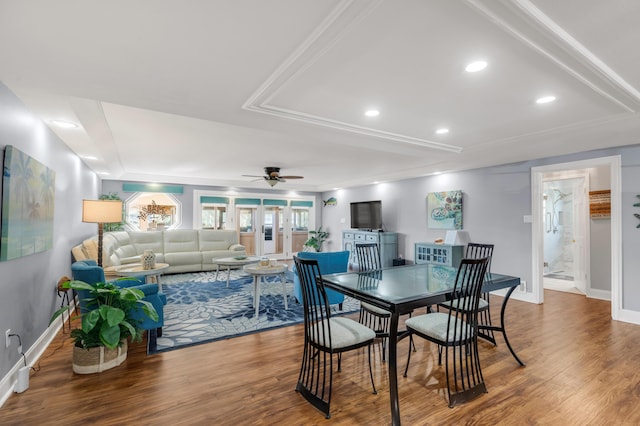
28, 284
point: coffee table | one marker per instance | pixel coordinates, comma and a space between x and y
136, 270
259, 272
233, 262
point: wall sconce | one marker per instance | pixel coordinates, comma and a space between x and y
101, 212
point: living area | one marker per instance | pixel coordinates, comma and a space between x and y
258, 122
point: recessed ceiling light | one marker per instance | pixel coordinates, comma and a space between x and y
545, 99
442, 131
64, 124
89, 157
372, 113
104, 173
476, 66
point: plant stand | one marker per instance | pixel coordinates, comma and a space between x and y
98, 359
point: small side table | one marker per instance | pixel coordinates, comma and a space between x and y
136, 270
259, 272
230, 262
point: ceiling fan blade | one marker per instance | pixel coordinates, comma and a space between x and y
292, 177
255, 176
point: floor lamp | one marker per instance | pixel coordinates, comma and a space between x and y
101, 212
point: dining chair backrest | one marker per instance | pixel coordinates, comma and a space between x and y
368, 255
467, 291
314, 299
478, 251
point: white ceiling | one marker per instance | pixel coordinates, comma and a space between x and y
203, 92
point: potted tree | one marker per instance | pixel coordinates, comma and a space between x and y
316, 238
101, 341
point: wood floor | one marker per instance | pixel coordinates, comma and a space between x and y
582, 369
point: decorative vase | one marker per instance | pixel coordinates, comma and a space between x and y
98, 359
148, 260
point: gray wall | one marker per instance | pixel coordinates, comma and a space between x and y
496, 199
28, 284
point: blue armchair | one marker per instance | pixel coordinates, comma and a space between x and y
89, 272
329, 263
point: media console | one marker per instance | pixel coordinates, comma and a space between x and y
387, 243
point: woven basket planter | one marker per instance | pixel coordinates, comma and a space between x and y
98, 359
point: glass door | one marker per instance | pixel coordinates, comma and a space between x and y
247, 228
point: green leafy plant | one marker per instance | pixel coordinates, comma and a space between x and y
106, 319
316, 239
109, 227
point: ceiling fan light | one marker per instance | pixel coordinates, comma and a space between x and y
476, 66
272, 182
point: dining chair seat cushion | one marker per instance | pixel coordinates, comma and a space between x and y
482, 304
345, 332
434, 325
378, 311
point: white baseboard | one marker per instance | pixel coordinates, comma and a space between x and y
33, 354
599, 294
632, 317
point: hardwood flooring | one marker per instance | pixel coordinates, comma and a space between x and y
582, 369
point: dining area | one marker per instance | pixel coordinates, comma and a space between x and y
447, 307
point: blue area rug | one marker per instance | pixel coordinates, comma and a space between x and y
200, 309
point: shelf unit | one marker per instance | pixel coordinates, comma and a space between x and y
439, 254
387, 243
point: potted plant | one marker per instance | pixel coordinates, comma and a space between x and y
316, 238
101, 341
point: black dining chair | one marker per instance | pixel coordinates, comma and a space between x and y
480, 251
456, 334
368, 255
324, 336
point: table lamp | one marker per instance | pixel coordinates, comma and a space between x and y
101, 212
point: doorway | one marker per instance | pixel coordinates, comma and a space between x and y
566, 231
609, 167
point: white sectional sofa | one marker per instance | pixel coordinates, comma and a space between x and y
185, 250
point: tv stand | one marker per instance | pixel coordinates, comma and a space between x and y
387, 243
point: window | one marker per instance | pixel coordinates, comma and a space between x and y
246, 219
153, 211
300, 218
214, 217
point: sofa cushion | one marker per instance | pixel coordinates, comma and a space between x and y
217, 239
180, 240
151, 240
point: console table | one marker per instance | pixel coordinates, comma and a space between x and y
387, 243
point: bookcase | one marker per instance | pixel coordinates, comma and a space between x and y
439, 254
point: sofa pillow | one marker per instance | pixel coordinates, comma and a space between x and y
90, 248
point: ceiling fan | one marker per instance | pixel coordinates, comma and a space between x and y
272, 176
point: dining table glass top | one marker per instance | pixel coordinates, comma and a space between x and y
404, 284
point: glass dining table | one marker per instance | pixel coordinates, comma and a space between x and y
402, 289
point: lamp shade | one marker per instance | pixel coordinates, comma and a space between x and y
101, 211
457, 238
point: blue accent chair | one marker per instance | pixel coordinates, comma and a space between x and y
329, 263
89, 272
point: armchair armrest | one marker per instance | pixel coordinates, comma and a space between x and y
124, 282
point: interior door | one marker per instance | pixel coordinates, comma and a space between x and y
247, 228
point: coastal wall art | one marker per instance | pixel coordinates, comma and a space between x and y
28, 191
444, 210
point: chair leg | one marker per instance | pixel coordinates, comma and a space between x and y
375, 392
406, 368
339, 361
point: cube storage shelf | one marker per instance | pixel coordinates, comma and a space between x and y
439, 254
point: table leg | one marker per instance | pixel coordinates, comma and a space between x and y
283, 280
502, 328
393, 369
228, 274
217, 271
256, 294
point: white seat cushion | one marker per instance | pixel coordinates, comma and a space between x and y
435, 325
482, 304
378, 311
344, 332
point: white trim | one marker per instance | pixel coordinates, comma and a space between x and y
599, 294
614, 164
626, 315
33, 354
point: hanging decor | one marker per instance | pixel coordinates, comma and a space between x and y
600, 204
636, 214
444, 210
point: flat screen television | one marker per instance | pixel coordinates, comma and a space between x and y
366, 215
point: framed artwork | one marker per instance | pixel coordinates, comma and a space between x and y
28, 190
444, 210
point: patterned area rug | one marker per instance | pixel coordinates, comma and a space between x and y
200, 309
